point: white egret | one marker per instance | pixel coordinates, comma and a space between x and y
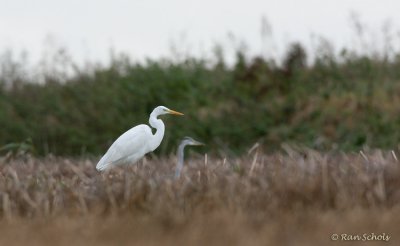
136, 142
180, 153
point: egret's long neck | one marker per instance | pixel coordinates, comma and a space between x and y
160, 127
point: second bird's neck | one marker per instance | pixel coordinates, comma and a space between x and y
181, 153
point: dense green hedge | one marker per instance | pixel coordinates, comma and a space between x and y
345, 102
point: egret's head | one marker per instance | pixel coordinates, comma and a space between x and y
190, 141
160, 110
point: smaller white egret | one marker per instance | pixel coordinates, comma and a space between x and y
180, 153
136, 142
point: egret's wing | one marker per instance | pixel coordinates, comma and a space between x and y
130, 143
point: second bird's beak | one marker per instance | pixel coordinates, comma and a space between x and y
174, 112
197, 143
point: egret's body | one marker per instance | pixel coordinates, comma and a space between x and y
136, 142
181, 152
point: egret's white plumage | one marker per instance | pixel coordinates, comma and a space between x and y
136, 142
181, 152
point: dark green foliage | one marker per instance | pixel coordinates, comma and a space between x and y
347, 102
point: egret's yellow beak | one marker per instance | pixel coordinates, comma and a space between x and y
174, 112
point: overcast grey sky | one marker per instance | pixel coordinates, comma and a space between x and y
146, 28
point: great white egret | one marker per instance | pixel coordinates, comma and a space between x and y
136, 142
180, 153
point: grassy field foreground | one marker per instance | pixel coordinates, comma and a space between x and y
300, 197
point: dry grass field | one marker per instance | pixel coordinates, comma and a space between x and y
299, 197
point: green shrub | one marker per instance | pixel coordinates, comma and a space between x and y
349, 102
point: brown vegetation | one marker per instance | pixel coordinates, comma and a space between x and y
300, 197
